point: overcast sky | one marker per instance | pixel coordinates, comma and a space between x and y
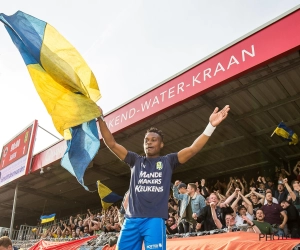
130, 46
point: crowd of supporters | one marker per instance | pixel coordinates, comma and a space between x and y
81, 226
259, 205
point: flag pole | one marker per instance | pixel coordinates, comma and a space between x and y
273, 132
13, 212
275, 129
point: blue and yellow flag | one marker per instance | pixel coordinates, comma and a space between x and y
47, 218
107, 196
285, 132
64, 82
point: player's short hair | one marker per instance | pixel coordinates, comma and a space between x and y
157, 131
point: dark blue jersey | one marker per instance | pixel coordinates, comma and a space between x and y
150, 185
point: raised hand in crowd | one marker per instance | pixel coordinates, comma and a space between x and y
292, 194
214, 215
296, 169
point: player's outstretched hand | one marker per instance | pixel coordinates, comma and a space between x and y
218, 116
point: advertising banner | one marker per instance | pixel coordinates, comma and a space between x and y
17, 154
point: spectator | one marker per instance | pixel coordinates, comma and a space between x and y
273, 213
77, 232
230, 223
245, 185
296, 170
281, 193
295, 196
261, 185
240, 217
74, 235
79, 225
256, 203
171, 226
86, 232
242, 209
282, 173
203, 189
233, 184
66, 233
205, 219
221, 197
293, 221
55, 232
259, 225
191, 203
94, 225
270, 185
274, 200
6, 244
183, 225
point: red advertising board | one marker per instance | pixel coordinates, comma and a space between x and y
16, 155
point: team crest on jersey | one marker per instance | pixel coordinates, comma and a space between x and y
159, 165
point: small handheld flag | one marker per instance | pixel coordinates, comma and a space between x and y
107, 196
285, 132
47, 218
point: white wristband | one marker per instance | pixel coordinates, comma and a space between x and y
209, 129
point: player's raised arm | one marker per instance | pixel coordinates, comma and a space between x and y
109, 140
214, 120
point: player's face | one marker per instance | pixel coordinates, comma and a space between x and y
152, 144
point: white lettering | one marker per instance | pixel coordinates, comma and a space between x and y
131, 112
180, 87
15, 145
163, 95
13, 156
144, 174
149, 181
155, 101
206, 73
146, 105
232, 60
248, 53
117, 120
124, 116
153, 189
195, 79
219, 68
171, 92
